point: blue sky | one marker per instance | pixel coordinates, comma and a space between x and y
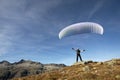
29, 30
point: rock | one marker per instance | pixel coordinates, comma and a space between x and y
50, 67
86, 68
83, 62
117, 76
113, 62
96, 71
90, 61
99, 63
94, 68
80, 63
4, 63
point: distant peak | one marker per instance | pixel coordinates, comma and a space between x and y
22, 60
4, 61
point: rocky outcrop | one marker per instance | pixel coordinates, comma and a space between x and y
83, 62
50, 67
24, 68
4, 63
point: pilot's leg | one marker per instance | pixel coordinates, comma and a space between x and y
80, 57
77, 58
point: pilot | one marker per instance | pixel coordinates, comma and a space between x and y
78, 51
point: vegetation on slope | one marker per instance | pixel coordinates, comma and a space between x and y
89, 70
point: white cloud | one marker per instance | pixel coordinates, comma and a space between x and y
26, 10
21, 14
6, 37
96, 8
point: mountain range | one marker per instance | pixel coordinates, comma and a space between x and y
25, 68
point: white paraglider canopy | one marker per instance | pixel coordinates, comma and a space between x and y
81, 28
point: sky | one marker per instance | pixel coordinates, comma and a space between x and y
29, 30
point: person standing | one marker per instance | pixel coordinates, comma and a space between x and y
78, 51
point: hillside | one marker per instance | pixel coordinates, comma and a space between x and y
25, 68
89, 70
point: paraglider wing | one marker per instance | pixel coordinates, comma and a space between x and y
81, 28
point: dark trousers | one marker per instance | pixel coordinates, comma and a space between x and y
78, 55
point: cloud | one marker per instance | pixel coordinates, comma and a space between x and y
23, 23
25, 10
96, 8
6, 36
